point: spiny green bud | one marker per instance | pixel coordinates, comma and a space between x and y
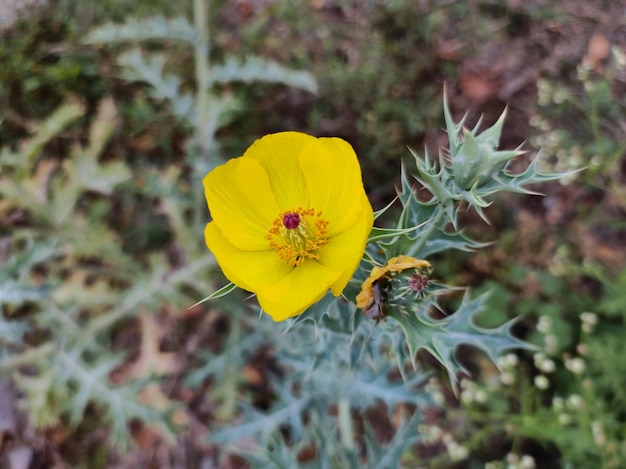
476, 161
468, 162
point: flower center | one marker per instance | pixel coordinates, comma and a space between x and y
291, 220
297, 235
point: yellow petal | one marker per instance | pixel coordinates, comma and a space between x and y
344, 252
333, 178
279, 155
365, 298
250, 270
305, 285
402, 262
241, 202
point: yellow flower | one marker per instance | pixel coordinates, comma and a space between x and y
367, 298
290, 220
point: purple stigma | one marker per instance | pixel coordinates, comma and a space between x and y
418, 282
291, 221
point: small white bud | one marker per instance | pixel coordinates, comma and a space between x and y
507, 378
557, 404
457, 452
538, 358
597, 430
434, 434
541, 382
597, 427
481, 396
547, 366
575, 401
618, 57
590, 318
565, 419
467, 396
511, 360
575, 365
439, 398
527, 462
512, 458
544, 325
551, 343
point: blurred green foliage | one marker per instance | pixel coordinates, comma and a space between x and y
100, 255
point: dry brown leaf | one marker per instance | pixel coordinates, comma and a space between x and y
598, 49
151, 361
477, 87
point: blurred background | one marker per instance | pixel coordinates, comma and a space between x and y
104, 138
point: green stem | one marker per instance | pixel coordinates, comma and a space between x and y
425, 236
201, 57
594, 119
202, 125
346, 432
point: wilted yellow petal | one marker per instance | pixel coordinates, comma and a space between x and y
400, 263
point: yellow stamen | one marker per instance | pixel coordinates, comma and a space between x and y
297, 242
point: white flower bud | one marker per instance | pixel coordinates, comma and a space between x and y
512, 458
527, 462
457, 452
481, 396
575, 401
507, 378
575, 365
541, 382
547, 365
511, 360
565, 419
590, 318
557, 404
544, 325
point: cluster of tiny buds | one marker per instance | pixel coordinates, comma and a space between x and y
544, 326
472, 393
597, 430
546, 366
513, 461
456, 451
541, 382
434, 435
507, 364
588, 322
543, 363
566, 408
618, 57
576, 365
516, 462
433, 387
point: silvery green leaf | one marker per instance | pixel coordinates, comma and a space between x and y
136, 30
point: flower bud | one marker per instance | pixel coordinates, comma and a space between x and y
475, 160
